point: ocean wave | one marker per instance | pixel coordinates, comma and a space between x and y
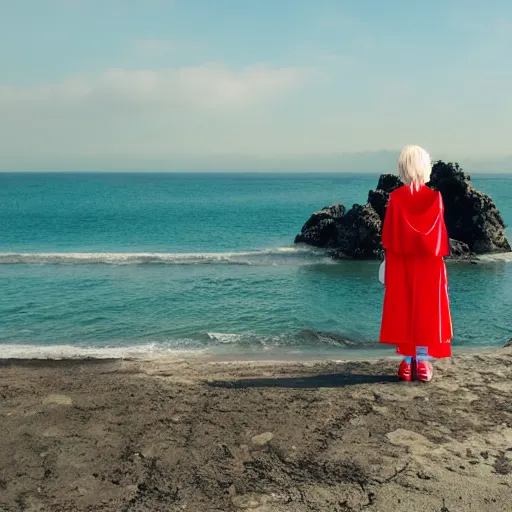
505, 257
211, 344
149, 351
282, 255
262, 257
303, 338
225, 338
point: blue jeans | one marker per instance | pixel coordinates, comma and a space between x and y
421, 355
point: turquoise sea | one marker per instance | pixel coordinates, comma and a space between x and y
140, 264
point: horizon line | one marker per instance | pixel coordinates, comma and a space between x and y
227, 171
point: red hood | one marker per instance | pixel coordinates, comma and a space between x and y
414, 223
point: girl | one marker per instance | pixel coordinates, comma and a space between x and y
416, 313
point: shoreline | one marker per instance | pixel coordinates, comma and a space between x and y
258, 436
257, 355
180, 258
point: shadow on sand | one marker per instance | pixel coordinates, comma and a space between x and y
316, 381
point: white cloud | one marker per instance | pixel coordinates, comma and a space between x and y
126, 113
189, 117
205, 86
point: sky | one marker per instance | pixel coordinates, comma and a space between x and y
253, 85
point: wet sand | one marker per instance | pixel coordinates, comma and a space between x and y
260, 437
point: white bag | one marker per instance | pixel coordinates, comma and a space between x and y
382, 271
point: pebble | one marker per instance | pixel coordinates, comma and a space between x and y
263, 439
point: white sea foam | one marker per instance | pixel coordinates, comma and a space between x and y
149, 351
281, 255
226, 338
152, 352
505, 257
268, 256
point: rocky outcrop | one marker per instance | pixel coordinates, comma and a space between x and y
378, 199
354, 234
474, 223
358, 234
321, 228
460, 250
471, 216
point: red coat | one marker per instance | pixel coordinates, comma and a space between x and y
416, 310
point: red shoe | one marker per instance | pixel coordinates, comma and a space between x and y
405, 371
424, 371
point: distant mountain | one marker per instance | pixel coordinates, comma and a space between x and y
376, 162
490, 164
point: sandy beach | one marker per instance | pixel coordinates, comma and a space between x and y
200, 436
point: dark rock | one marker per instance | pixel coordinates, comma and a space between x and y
355, 234
321, 228
378, 200
474, 223
508, 344
389, 182
359, 233
471, 216
460, 250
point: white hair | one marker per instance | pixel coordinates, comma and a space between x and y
414, 166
